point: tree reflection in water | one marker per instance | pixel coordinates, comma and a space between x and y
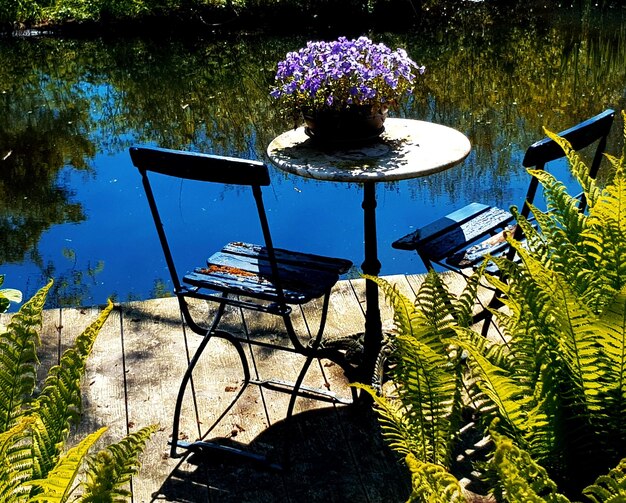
68, 106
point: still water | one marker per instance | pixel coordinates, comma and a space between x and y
71, 204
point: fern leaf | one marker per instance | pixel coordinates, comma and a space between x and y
578, 168
111, 469
436, 304
395, 424
431, 398
522, 480
407, 319
18, 359
609, 488
60, 400
10, 474
426, 367
610, 331
571, 328
57, 486
607, 233
510, 399
432, 483
562, 207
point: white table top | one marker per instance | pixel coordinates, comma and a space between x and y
406, 149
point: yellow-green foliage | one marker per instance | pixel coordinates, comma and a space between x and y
432, 483
424, 413
611, 487
567, 329
34, 465
555, 385
522, 480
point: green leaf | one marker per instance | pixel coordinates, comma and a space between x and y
57, 486
60, 399
609, 488
432, 483
18, 358
521, 478
111, 469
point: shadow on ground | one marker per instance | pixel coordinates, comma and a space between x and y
326, 455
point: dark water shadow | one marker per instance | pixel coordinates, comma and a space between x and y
326, 455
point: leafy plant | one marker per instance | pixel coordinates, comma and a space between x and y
34, 427
421, 414
552, 393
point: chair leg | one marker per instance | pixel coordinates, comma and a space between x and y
211, 332
486, 315
297, 384
312, 350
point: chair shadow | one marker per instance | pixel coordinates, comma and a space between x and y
325, 455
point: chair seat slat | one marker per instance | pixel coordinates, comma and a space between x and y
233, 282
476, 253
439, 227
450, 242
245, 269
291, 272
311, 261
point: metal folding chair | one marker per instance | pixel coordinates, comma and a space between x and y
462, 239
248, 276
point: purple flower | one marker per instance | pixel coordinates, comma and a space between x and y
344, 72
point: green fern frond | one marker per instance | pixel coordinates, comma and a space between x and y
432, 483
609, 488
522, 479
570, 326
496, 352
429, 396
511, 400
534, 239
10, 474
436, 303
112, 468
607, 231
562, 207
18, 359
395, 424
610, 331
60, 400
578, 168
465, 302
58, 485
407, 319
431, 399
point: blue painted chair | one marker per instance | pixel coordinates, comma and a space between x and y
255, 277
462, 239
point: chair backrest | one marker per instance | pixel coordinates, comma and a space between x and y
594, 130
203, 168
200, 167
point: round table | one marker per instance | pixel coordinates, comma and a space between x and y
406, 149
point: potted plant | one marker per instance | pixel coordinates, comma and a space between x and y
344, 89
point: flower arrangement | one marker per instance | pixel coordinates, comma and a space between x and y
342, 74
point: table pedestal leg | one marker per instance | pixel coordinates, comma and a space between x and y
371, 265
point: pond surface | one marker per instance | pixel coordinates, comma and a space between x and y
72, 206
